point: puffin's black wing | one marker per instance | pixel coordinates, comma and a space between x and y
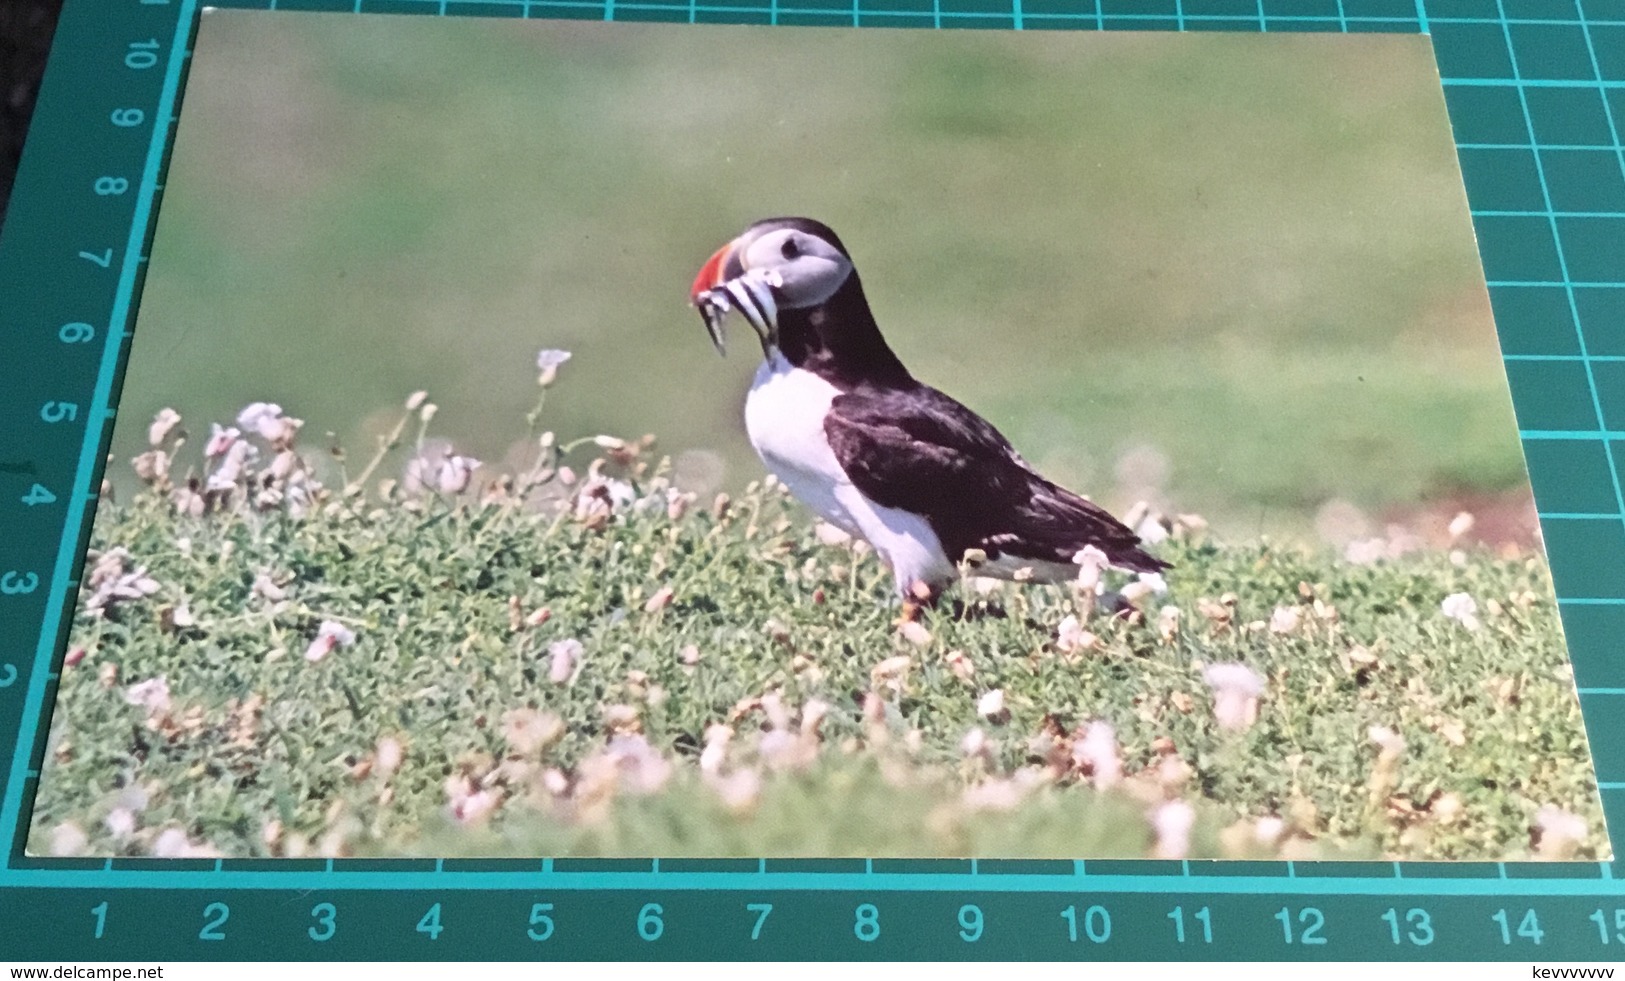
918, 450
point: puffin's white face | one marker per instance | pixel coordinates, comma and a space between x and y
809, 269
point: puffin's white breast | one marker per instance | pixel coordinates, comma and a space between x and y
784, 416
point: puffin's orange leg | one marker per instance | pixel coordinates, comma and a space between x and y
919, 596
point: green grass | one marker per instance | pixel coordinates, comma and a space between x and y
1250, 252
442, 593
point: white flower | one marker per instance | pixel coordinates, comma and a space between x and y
264, 418
828, 534
526, 730
162, 425
640, 767
660, 600
1461, 608
454, 472
237, 456
387, 756
915, 633
739, 790
1172, 822
813, 713
152, 695
976, 744
991, 704
600, 497
1236, 690
562, 657
1269, 830
266, 587
1461, 524
1390, 744
134, 797
329, 635
778, 748
1097, 753
221, 439
68, 839
475, 807
1286, 620
1366, 551
548, 362
1001, 794
551, 357
120, 822
1151, 531
112, 585
1168, 623
1560, 833
609, 442
1070, 636
1091, 561
715, 753
1146, 585
173, 843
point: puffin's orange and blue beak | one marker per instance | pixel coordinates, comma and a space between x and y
711, 274
725, 284
710, 297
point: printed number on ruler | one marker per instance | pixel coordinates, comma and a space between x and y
1418, 926
326, 916
1096, 921
123, 118
430, 926
866, 923
541, 921
1528, 927
138, 56
971, 923
761, 910
1203, 916
215, 916
1617, 934
650, 925
1310, 922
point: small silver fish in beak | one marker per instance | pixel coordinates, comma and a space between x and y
713, 306
750, 292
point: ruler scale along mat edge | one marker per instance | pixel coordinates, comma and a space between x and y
71, 263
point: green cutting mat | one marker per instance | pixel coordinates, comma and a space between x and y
1522, 78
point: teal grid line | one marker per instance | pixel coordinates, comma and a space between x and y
1593, 881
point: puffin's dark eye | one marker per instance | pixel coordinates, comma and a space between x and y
790, 249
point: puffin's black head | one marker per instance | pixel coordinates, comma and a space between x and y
778, 264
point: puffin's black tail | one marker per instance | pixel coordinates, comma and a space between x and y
1135, 559
1056, 524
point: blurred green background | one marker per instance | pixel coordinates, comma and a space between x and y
1231, 273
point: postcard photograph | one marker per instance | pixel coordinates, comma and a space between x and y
579, 439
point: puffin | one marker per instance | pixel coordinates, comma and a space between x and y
840, 421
